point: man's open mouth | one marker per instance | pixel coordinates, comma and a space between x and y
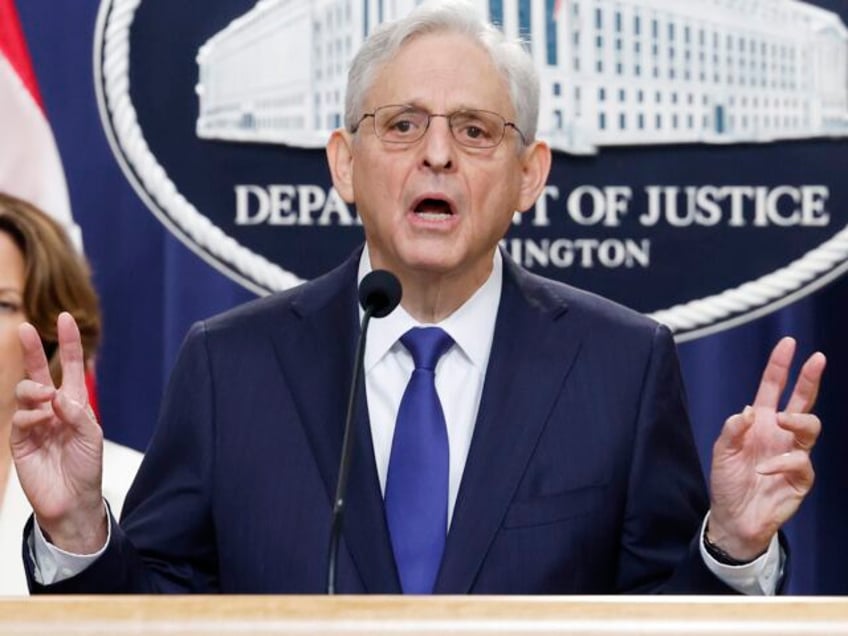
433, 208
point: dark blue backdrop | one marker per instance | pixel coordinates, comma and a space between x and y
152, 288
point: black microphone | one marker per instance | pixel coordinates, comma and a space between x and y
379, 294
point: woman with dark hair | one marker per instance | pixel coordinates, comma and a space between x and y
41, 275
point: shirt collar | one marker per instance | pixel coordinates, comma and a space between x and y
471, 326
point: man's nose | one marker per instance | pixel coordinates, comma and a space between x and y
438, 145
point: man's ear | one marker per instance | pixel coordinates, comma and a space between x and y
340, 160
535, 168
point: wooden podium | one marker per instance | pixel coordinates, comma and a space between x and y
437, 615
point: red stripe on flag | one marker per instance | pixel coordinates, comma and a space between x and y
13, 47
91, 386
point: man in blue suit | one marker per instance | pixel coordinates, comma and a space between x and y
565, 462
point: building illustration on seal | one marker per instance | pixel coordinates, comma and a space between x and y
613, 72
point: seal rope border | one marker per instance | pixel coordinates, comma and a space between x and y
111, 61
761, 296
148, 177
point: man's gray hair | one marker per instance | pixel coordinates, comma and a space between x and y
509, 56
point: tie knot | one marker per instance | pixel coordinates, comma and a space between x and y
427, 345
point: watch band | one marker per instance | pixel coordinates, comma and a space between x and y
720, 555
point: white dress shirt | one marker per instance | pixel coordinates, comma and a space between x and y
459, 373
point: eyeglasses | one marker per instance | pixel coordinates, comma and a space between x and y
405, 124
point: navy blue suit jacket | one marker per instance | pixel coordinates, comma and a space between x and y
582, 476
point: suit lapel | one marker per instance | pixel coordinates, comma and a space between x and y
530, 358
324, 336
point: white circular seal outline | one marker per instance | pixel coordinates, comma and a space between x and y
111, 72
148, 178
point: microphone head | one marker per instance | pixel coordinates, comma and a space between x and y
380, 290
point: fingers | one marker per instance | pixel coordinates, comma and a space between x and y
39, 404
35, 360
39, 401
775, 374
733, 433
23, 421
73, 412
794, 466
72, 357
32, 395
805, 427
68, 411
806, 388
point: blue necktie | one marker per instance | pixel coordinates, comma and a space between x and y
417, 482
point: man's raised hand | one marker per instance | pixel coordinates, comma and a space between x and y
761, 469
57, 444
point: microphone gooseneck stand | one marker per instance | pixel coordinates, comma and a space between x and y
379, 294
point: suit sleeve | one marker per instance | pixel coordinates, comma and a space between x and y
667, 496
166, 539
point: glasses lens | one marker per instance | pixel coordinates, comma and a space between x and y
400, 124
477, 128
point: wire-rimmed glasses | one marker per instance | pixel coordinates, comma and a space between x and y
406, 124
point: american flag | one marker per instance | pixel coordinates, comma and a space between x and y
30, 165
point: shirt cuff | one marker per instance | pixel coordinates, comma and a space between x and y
54, 565
760, 577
